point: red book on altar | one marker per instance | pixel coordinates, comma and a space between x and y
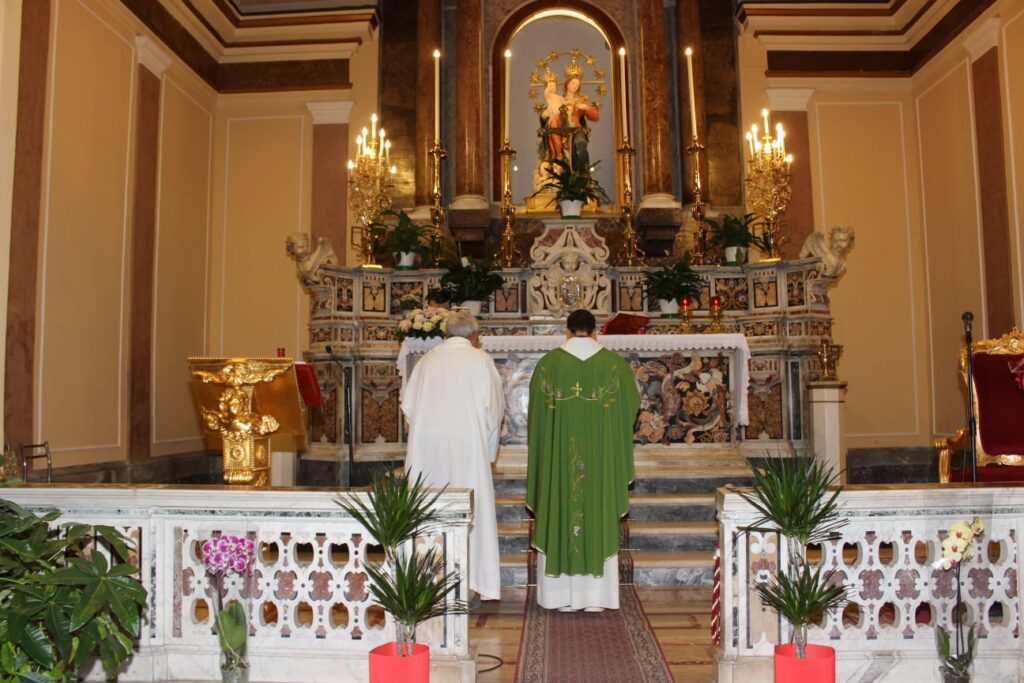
626, 323
309, 388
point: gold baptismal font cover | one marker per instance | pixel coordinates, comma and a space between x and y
244, 401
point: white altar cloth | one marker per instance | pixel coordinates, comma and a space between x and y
736, 344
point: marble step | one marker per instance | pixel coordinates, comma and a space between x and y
669, 483
698, 461
684, 568
672, 536
644, 507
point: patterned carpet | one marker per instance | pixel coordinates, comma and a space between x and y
614, 646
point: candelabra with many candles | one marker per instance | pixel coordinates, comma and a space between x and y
769, 183
370, 181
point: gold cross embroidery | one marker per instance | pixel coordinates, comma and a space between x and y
577, 388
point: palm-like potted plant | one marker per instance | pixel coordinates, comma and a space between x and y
572, 188
403, 239
67, 597
734, 236
467, 283
667, 285
411, 586
794, 500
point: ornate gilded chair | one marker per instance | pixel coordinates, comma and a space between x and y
999, 407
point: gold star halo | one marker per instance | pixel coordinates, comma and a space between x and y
542, 74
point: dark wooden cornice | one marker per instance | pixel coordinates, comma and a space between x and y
236, 77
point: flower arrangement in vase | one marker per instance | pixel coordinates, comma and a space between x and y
667, 285
956, 654
572, 188
423, 323
224, 555
467, 281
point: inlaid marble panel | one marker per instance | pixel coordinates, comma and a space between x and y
684, 398
630, 289
401, 289
733, 291
766, 289
344, 296
765, 408
375, 289
795, 289
379, 403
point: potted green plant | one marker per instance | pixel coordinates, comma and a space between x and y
467, 283
572, 188
794, 500
403, 239
668, 284
67, 596
410, 585
734, 236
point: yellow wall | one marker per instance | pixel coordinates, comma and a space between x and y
10, 33
1012, 81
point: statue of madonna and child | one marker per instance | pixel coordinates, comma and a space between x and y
564, 131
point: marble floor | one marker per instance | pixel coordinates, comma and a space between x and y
680, 618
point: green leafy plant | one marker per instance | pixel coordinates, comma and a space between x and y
570, 185
957, 547
953, 663
793, 498
674, 281
731, 231
401, 235
467, 280
411, 586
62, 601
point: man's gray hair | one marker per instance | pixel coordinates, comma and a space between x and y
462, 324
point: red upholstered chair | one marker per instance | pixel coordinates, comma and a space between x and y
999, 406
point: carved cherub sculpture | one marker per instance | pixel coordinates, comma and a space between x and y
831, 248
308, 263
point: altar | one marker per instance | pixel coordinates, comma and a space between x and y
693, 387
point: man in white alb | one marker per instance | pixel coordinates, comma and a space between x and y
454, 404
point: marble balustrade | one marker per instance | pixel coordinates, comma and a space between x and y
312, 615
885, 553
782, 308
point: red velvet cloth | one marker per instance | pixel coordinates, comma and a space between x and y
309, 388
1000, 404
991, 473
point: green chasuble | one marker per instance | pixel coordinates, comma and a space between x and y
581, 420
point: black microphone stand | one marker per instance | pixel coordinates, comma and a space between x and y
972, 420
348, 433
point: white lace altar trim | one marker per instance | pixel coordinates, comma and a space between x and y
735, 343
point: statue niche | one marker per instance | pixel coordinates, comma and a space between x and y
570, 264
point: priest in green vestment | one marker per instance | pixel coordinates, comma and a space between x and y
583, 404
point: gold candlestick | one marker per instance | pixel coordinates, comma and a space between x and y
828, 356
437, 213
630, 253
715, 326
769, 184
685, 316
508, 255
700, 238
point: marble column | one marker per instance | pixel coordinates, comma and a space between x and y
469, 108
789, 107
655, 151
428, 38
328, 212
688, 30
153, 61
995, 217
828, 438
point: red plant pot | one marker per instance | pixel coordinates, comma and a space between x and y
819, 666
387, 667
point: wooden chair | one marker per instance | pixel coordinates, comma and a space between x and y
34, 451
999, 407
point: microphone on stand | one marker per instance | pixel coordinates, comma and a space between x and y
972, 423
348, 434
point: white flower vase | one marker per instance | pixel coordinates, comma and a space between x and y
406, 260
570, 208
669, 306
472, 306
736, 255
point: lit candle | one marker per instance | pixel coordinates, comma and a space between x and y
373, 126
359, 146
437, 94
716, 302
387, 151
789, 162
693, 99
380, 146
684, 302
508, 80
764, 115
781, 134
750, 141
351, 165
625, 90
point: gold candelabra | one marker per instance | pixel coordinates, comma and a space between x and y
769, 183
630, 253
700, 238
715, 326
437, 213
685, 316
508, 255
370, 180
828, 356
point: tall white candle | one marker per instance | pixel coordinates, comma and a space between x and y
625, 90
373, 126
767, 129
437, 94
508, 80
693, 100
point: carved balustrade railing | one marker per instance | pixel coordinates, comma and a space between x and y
886, 554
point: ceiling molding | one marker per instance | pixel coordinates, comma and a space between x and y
983, 39
330, 112
151, 56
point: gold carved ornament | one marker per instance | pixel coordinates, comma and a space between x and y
1011, 343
